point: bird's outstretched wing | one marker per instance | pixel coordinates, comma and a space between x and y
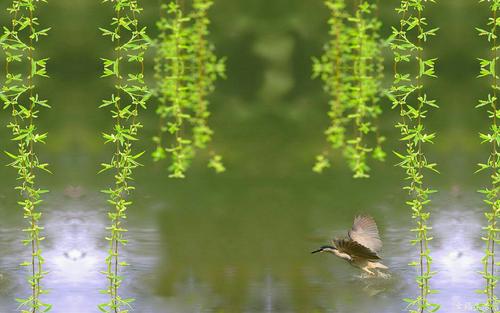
365, 232
354, 249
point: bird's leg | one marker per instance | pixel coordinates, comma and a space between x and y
366, 270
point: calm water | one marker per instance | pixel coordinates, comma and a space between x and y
237, 246
241, 241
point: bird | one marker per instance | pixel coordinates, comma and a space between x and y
361, 247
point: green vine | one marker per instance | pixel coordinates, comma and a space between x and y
351, 69
409, 96
19, 95
186, 69
488, 69
131, 94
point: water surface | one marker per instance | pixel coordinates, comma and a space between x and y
241, 241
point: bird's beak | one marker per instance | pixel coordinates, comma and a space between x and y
316, 251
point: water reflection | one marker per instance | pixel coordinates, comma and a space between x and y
458, 253
75, 253
175, 272
241, 242
10, 278
269, 296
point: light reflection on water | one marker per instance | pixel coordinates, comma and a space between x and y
75, 253
457, 257
262, 137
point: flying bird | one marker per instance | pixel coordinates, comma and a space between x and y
361, 246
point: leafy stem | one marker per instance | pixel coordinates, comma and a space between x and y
408, 95
131, 94
488, 70
186, 69
351, 69
20, 96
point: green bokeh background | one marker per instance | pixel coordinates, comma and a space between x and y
264, 214
268, 109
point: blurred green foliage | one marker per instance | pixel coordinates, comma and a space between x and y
269, 116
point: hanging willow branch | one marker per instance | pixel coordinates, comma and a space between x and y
351, 69
488, 69
131, 95
186, 69
19, 95
409, 96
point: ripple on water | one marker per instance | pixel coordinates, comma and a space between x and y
75, 253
